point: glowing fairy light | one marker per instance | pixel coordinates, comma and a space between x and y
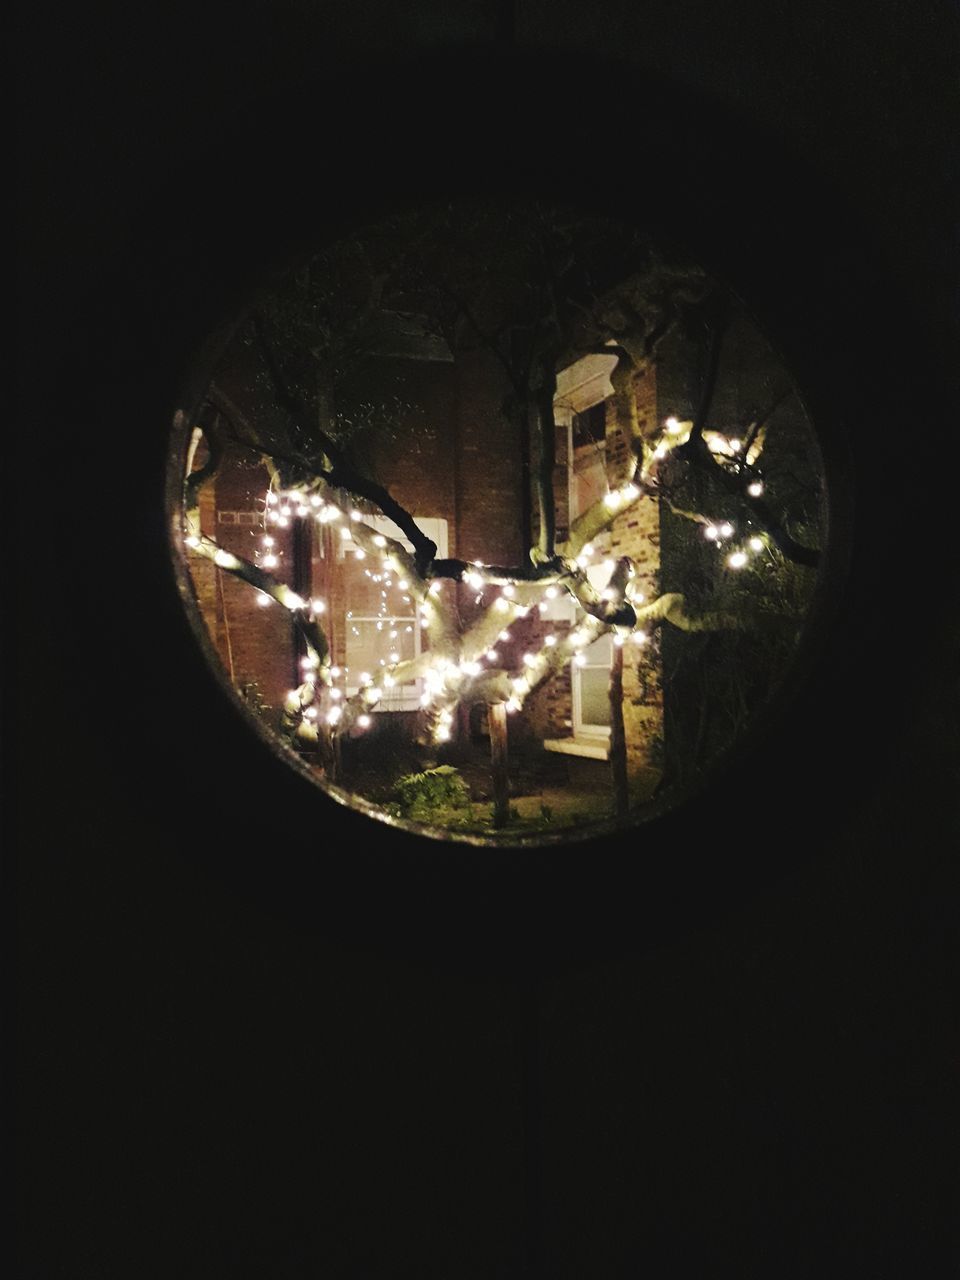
737, 559
501, 604
618, 640
355, 516
364, 721
513, 704
283, 521
316, 500
612, 499
335, 672
285, 510
443, 733
492, 655
394, 657
225, 560
522, 610
755, 488
309, 661
580, 659
551, 593
334, 714
272, 499
504, 635
379, 540
270, 561
267, 540
756, 544
587, 550
509, 591
292, 600
660, 451
711, 532
318, 606
529, 660
303, 511
673, 426
435, 587
345, 532
365, 677
336, 694
471, 668
403, 584
639, 637
474, 580
608, 593
543, 609
389, 681
192, 541
360, 553
520, 684
311, 713
630, 492
726, 529
550, 640
263, 599
736, 445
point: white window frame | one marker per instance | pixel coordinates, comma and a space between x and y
405, 697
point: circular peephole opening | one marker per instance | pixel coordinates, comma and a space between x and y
504, 522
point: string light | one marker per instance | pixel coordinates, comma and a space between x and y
737, 559
756, 544
755, 488
270, 560
551, 593
267, 540
318, 606
509, 591
726, 529
550, 640
580, 659
513, 704
473, 579
364, 721
336, 694
501, 604
492, 655
334, 714
711, 532
673, 426
504, 635
379, 540
355, 516
263, 599
192, 541
639, 637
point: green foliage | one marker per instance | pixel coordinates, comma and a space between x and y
420, 795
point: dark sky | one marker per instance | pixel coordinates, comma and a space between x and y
254, 1036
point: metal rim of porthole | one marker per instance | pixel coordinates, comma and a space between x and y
702, 178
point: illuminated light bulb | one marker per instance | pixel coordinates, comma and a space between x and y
492, 655
736, 445
273, 517
336, 695
583, 561
504, 635
612, 499
311, 713
285, 511
550, 640
310, 677
263, 600
225, 560
373, 694
608, 566
660, 451
520, 684
360, 553
755, 489
379, 540
673, 426
394, 657
334, 714
756, 544
424, 699
551, 593
303, 511
316, 500
471, 668
513, 704
578, 638
587, 550
267, 540
364, 721
272, 498
737, 560
389, 681
726, 529
618, 640
270, 561
580, 659
393, 635
345, 532
403, 584
355, 515
318, 606
309, 661
335, 672
192, 540
509, 591
283, 522
608, 593
435, 587
543, 608
365, 677
522, 611
529, 660
631, 492
501, 604
443, 734
639, 637
711, 532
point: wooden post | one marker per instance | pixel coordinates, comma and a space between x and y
618, 737
497, 721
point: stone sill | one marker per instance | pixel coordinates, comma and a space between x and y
595, 748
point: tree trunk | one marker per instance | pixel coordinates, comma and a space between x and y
497, 721
618, 737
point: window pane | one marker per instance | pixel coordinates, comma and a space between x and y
373, 644
594, 702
